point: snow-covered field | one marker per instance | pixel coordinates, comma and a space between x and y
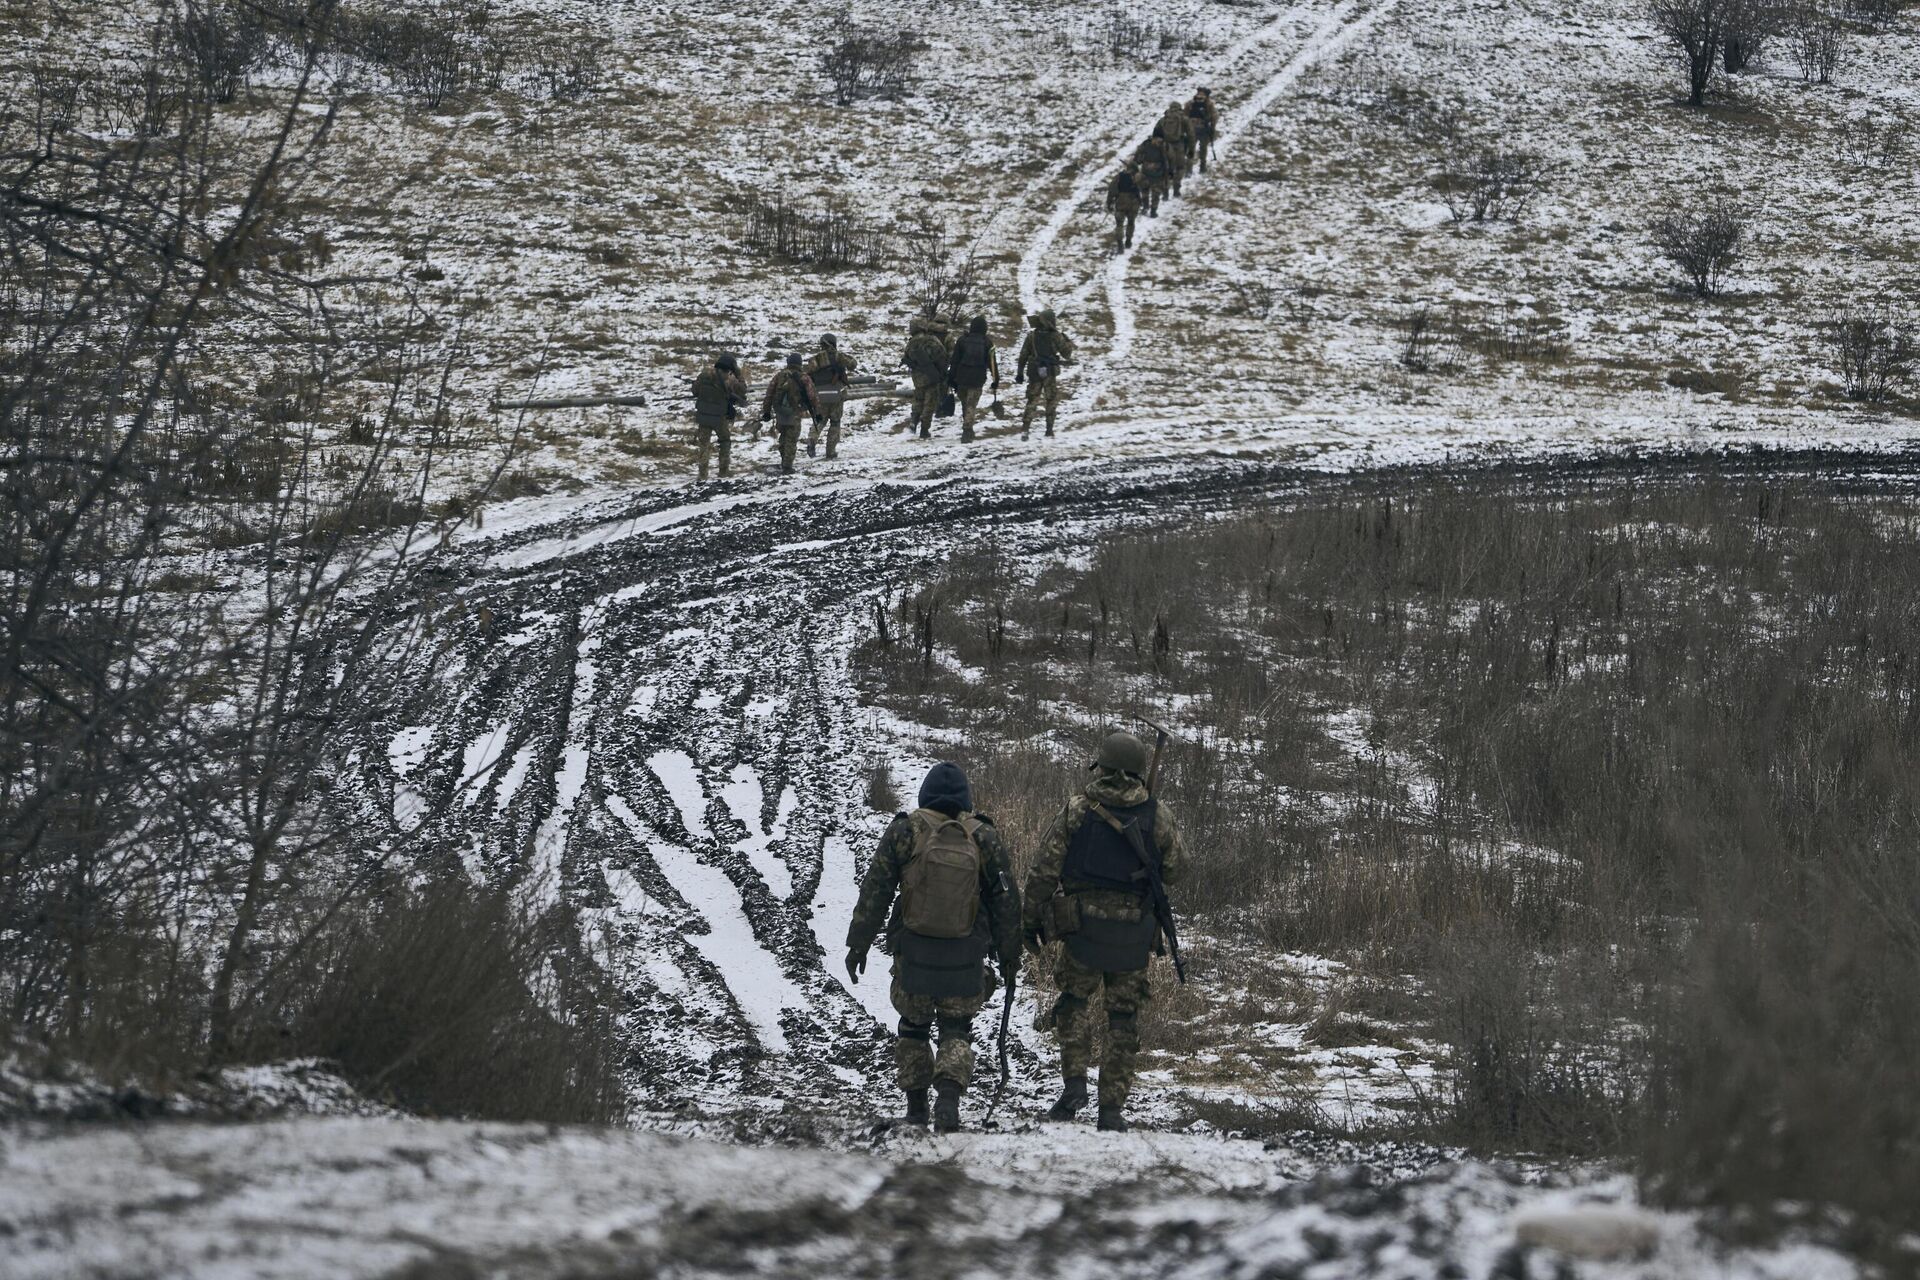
333, 1199
657, 727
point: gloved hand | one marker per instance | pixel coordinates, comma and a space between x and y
996, 386
1010, 966
766, 417
1031, 937
856, 962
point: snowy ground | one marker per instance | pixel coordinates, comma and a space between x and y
649, 716
332, 1199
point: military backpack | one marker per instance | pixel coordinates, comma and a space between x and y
926, 355
1051, 348
940, 889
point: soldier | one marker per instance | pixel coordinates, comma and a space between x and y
1083, 893
1043, 353
974, 364
829, 370
1123, 201
718, 393
1175, 132
1150, 168
1205, 118
946, 862
789, 395
926, 359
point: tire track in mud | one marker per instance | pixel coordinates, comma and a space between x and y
658, 709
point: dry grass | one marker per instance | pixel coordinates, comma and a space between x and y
1629, 774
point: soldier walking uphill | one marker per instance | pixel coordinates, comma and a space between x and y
1150, 171
789, 395
1123, 201
956, 905
1087, 892
926, 359
1175, 132
828, 370
1205, 118
1043, 353
974, 364
718, 394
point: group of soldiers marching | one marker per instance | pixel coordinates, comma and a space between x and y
951, 368
1181, 141
940, 891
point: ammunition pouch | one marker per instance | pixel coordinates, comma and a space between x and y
1114, 946
1062, 919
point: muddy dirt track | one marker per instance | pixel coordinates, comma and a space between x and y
644, 708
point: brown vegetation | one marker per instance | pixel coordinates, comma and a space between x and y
1629, 775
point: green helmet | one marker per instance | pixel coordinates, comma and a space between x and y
1121, 750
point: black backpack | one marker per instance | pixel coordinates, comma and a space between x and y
970, 360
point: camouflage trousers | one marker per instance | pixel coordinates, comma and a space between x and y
1041, 393
913, 1051
1125, 994
789, 437
926, 399
1124, 216
969, 398
834, 406
704, 432
1202, 148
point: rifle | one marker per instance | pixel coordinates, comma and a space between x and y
1156, 887
1006, 1020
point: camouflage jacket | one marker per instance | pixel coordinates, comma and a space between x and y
1204, 115
1177, 129
830, 369
1124, 191
880, 886
788, 396
1029, 363
1113, 790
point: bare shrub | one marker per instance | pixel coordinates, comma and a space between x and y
1696, 31
942, 279
223, 41
1427, 345
1881, 15
870, 64
1490, 183
1872, 142
1816, 38
1875, 346
834, 236
454, 1001
1703, 243
1256, 298
568, 69
1128, 36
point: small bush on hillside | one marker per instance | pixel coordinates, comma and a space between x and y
1696, 31
834, 236
1816, 36
1872, 142
1875, 347
223, 42
455, 1001
1702, 243
1490, 183
870, 64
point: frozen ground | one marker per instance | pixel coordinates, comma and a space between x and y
333, 1199
649, 719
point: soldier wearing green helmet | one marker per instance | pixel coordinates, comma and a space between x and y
1086, 901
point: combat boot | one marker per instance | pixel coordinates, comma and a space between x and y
916, 1108
1111, 1120
946, 1107
1072, 1099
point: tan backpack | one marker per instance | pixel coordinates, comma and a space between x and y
940, 889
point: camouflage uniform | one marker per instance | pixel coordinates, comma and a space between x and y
1150, 163
1205, 118
973, 365
717, 395
1042, 377
877, 911
788, 396
926, 358
828, 369
1123, 201
1176, 136
1125, 993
